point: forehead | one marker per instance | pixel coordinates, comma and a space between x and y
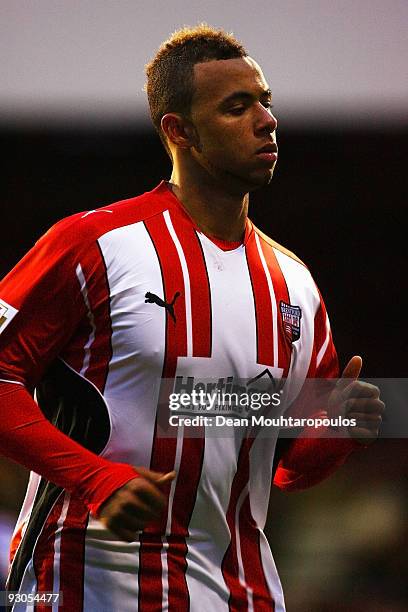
218, 79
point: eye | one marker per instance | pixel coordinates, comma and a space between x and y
267, 105
237, 110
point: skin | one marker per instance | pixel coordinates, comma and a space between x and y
357, 399
215, 166
139, 502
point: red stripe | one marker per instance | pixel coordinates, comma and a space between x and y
73, 557
99, 300
281, 295
74, 354
199, 288
230, 570
98, 295
43, 558
249, 543
249, 536
192, 457
164, 449
311, 395
163, 455
252, 560
262, 302
329, 366
176, 336
15, 542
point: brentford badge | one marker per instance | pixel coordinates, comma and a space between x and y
291, 316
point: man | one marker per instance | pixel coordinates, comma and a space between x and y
177, 286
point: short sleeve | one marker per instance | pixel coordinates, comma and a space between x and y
40, 307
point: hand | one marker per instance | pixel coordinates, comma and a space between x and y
358, 400
138, 502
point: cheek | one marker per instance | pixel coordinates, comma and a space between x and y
224, 144
222, 135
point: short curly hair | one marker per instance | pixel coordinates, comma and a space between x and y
170, 85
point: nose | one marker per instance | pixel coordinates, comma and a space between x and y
266, 121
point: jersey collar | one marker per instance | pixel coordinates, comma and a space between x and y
164, 189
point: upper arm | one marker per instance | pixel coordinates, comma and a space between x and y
40, 306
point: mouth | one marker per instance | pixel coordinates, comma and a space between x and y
269, 152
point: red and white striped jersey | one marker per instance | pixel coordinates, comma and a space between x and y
79, 326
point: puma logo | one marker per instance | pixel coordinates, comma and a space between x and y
152, 298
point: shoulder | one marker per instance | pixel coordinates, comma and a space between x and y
299, 281
278, 247
81, 229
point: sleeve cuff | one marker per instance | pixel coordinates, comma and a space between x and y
104, 483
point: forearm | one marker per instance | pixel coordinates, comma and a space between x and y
28, 438
307, 461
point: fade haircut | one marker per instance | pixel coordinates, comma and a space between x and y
170, 82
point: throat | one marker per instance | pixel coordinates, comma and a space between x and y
217, 216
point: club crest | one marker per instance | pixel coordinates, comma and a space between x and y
291, 316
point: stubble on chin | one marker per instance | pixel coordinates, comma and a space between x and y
261, 181
236, 182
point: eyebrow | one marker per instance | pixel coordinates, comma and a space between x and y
244, 95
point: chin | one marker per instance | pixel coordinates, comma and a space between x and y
244, 182
261, 180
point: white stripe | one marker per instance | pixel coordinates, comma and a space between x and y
28, 582
180, 432
273, 302
165, 575
241, 573
84, 291
25, 512
271, 574
57, 549
322, 351
95, 211
138, 329
186, 279
14, 382
177, 461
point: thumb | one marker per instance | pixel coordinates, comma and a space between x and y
166, 478
157, 478
353, 368
350, 372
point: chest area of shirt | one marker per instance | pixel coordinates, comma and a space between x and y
193, 302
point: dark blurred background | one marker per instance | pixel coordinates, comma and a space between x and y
338, 200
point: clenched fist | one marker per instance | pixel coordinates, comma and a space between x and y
358, 400
137, 503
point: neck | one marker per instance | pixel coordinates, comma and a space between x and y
216, 212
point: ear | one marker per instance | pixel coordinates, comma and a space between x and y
178, 130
